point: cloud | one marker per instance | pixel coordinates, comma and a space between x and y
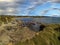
6, 0
41, 2
55, 1
34, 4
21, 6
8, 7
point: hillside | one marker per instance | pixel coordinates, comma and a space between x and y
14, 32
48, 36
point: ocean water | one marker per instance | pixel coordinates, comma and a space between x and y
48, 20
42, 20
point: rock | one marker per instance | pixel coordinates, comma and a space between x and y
41, 27
59, 38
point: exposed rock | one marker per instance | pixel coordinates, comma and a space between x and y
59, 38
41, 27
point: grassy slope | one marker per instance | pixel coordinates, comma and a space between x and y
49, 36
5, 19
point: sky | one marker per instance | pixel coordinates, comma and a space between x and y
30, 7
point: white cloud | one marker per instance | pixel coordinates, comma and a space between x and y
1, 10
10, 9
6, 0
11, 6
55, 1
8, 6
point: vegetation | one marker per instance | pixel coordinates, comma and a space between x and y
8, 18
48, 36
5, 19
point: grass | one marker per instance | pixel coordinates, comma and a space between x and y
5, 19
49, 36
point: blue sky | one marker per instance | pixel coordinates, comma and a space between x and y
30, 7
39, 10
